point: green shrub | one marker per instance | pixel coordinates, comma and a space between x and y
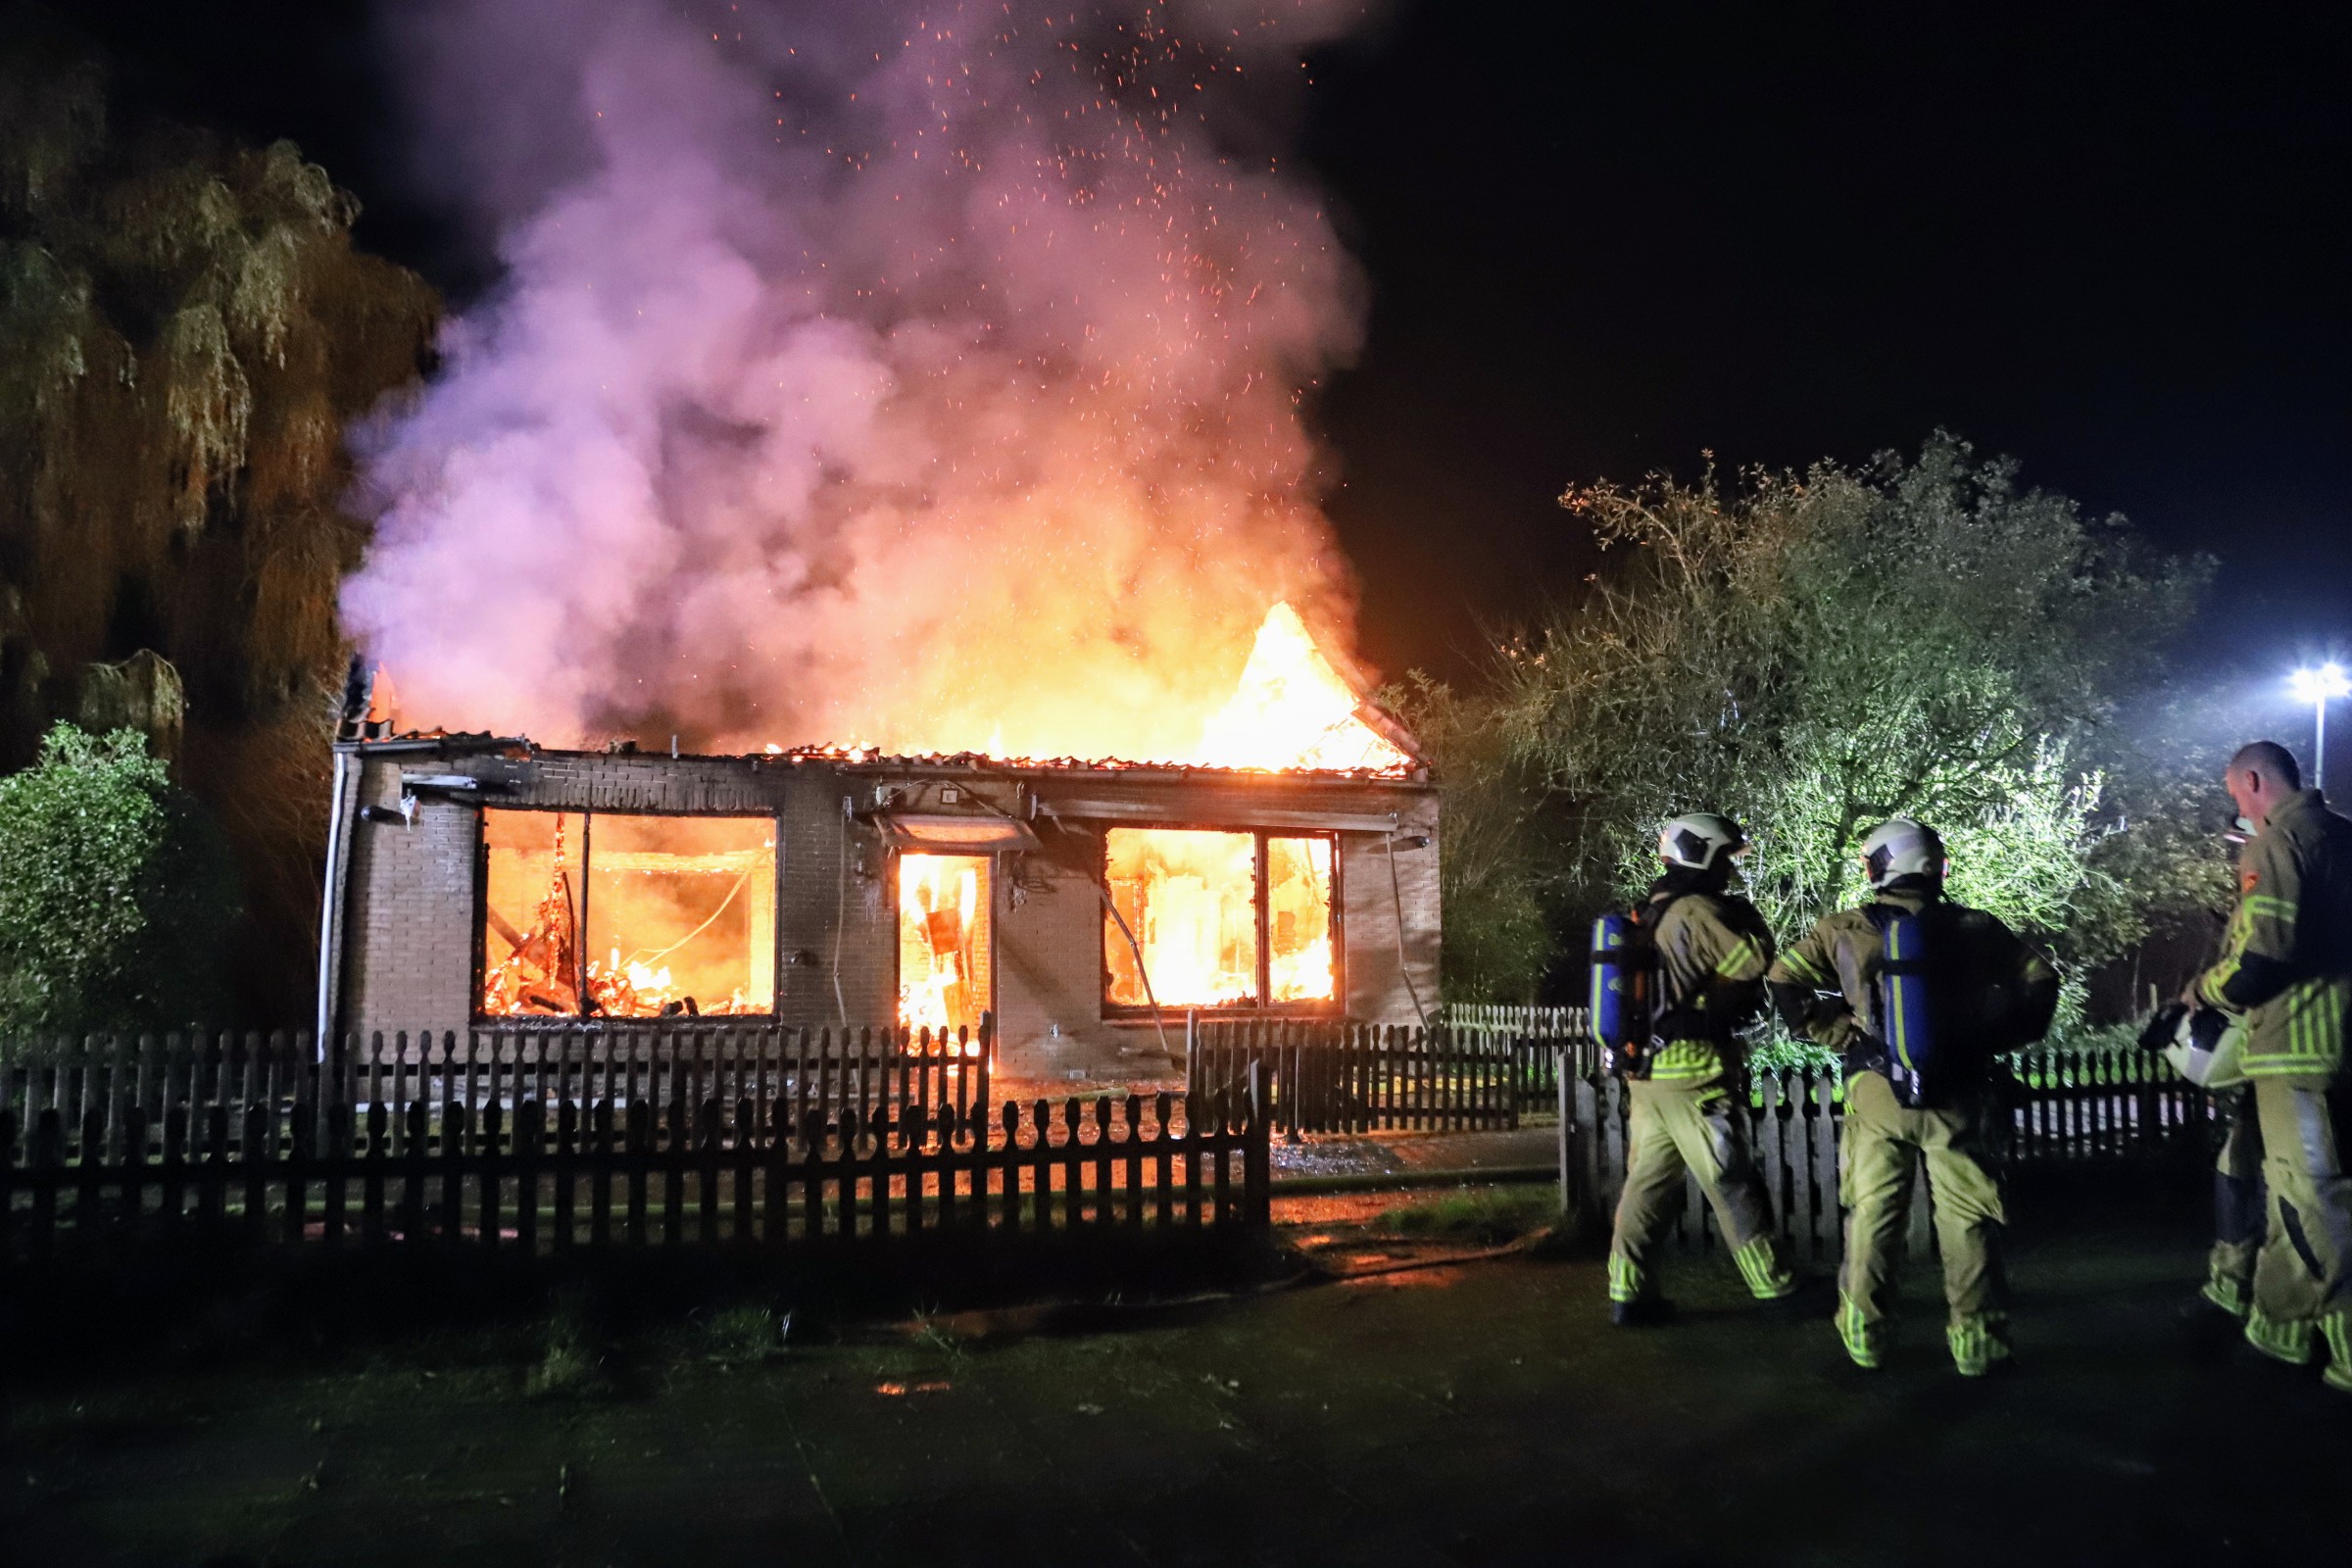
745, 1334
116, 893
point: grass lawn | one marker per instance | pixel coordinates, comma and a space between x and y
1482, 1412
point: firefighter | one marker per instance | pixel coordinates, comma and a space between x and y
2217, 1313
1711, 950
1989, 993
2288, 969
2239, 1221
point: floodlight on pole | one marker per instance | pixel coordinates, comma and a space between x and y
2317, 687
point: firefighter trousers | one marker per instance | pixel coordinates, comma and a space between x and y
1879, 1149
2303, 1279
1676, 1128
2238, 1210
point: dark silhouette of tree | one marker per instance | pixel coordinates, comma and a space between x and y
185, 330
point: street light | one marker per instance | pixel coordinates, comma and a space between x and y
2317, 687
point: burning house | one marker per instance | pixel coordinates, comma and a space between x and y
1290, 869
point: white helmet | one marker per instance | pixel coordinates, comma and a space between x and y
1699, 840
2204, 1045
1900, 847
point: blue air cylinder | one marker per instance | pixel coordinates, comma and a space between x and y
1620, 984
1903, 1012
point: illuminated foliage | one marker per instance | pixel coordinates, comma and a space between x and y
1492, 871
115, 892
185, 330
1813, 654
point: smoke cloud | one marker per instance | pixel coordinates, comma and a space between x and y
919, 374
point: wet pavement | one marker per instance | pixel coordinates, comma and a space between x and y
1313, 1155
1395, 1153
1448, 1412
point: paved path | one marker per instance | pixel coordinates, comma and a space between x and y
1395, 1151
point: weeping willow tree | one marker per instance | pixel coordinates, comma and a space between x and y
185, 328
1814, 653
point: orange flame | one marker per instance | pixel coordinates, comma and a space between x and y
1293, 711
1290, 710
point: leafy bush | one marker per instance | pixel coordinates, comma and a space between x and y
748, 1333
1812, 653
1497, 944
116, 893
186, 330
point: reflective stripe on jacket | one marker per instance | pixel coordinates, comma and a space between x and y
1713, 950
2294, 908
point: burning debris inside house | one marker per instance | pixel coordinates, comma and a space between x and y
1084, 908
638, 918
931, 381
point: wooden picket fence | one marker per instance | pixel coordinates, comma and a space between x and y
1357, 1078
2113, 1105
1538, 1022
2066, 1108
220, 1146
1794, 1119
807, 1071
545, 1141
1485, 1068
1540, 1039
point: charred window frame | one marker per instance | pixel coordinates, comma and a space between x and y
584, 902
1260, 1006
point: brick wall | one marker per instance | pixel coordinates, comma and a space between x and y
408, 913
411, 895
1388, 970
1050, 968
834, 920
412, 899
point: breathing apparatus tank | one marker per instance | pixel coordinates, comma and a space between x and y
1904, 1011
1621, 981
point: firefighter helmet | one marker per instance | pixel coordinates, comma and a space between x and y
1900, 848
2204, 1045
1700, 841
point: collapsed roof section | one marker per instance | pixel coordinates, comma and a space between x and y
370, 719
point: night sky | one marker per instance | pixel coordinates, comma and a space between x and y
2111, 240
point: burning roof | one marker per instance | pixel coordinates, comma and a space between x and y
1292, 711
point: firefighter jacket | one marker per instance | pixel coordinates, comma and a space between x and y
2000, 995
2286, 964
1712, 952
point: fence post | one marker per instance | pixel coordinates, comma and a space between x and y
530, 1135
44, 1167
1585, 1102
1257, 1173
1567, 1138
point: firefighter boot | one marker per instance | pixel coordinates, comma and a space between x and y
1980, 1343
2336, 1329
1864, 1341
1633, 1298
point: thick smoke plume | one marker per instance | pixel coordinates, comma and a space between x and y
921, 374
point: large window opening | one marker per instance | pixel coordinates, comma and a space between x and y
945, 926
1217, 919
610, 917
